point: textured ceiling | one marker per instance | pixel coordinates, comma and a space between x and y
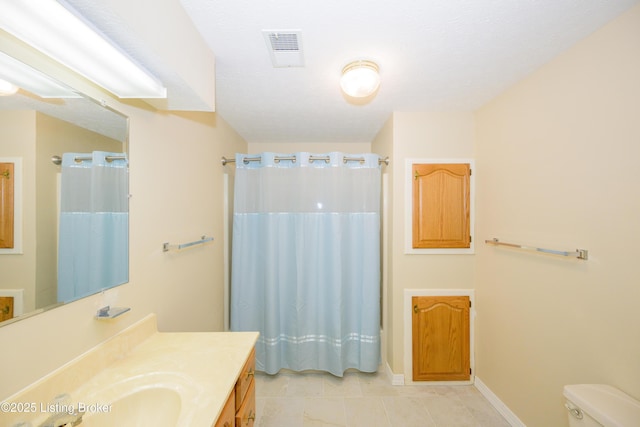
83, 112
433, 55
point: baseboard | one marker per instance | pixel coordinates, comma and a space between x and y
503, 409
395, 379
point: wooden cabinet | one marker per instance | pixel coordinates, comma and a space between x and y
246, 413
228, 416
6, 204
441, 205
440, 338
240, 409
246, 394
6, 308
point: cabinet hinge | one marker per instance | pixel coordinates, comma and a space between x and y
470, 239
470, 172
469, 303
470, 371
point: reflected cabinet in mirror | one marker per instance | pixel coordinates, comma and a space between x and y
63, 227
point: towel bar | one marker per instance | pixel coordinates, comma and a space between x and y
578, 253
166, 247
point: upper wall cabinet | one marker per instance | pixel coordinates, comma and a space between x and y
6, 204
441, 205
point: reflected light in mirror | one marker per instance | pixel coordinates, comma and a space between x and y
7, 88
22, 75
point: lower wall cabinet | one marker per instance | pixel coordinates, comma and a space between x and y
441, 350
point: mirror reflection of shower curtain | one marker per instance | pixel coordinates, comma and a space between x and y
93, 238
306, 262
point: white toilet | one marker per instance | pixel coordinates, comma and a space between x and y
597, 405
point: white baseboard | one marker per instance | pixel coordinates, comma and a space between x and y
508, 415
395, 379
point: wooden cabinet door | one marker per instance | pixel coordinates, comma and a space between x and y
6, 205
245, 378
246, 414
441, 338
6, 308
441, 205
228, 416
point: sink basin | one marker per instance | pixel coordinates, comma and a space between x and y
157, 407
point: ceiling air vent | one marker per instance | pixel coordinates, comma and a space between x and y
285, 47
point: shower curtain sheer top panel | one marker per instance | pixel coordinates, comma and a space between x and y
306, 260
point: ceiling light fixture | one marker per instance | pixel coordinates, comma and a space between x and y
22, 75
360, 78
59, 33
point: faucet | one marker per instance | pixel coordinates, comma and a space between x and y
64, 414
63, 419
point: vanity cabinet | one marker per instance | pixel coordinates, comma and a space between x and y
194, 376
240, 409
228, 416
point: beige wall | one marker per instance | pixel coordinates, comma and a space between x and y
310, 147
427, 135
557, 160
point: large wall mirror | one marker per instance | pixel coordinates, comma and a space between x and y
46, 211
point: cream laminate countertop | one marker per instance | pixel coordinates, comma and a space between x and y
202, 367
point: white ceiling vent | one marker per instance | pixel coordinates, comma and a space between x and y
285, 47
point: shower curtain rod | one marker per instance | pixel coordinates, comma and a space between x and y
311, 159
57, 160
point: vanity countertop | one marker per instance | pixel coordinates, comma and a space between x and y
201, 366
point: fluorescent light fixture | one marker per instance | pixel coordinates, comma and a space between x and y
360, 78
61, 34
22, 75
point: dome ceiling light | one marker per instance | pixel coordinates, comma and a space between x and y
360, 78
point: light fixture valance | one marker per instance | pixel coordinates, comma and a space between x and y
60, 34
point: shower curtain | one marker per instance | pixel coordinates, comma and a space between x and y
94, 221
306, 260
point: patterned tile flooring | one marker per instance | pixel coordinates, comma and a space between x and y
367, 400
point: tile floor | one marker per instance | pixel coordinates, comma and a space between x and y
369, 400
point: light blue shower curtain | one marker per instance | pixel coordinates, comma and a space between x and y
306, 261
93, 244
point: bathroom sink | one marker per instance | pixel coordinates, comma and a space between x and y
156, 406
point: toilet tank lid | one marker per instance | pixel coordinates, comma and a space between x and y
604, 403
